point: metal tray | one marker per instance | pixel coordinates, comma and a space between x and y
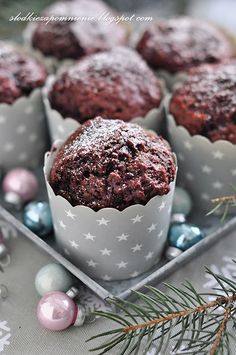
213, 228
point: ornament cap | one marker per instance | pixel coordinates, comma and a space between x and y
178, 218
13, 199
172, 253
72, 292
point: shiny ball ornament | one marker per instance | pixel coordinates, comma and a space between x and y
37, 217
184, 235
56, 311
20, 186
80, 317
182, 202
53, 277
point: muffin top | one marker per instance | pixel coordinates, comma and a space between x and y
116, 84
19, 74
110, 163
181, 43
205, 103
86, 35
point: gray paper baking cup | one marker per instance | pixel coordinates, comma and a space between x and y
110, 244
51, 63
206, 169
171, 79
23, 133
61, 128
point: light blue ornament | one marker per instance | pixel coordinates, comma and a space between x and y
37, 217
182, 201
184, 235
53, 277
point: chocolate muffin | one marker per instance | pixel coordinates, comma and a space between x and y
110, 163
181, 43
19, 74
116, 85
205, 103
74, 39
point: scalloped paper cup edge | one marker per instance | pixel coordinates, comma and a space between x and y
206, 169
110, 244
61, 128
171, 79
23, 132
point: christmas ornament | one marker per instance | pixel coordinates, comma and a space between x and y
184, 235
182, 202
37, 217
20, 186
57, 311
53, 277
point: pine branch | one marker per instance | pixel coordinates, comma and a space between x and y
226, 202
183, 317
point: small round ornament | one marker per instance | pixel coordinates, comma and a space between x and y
184, 235
37, 217
53, 277
182, 202
20, 186
56, 311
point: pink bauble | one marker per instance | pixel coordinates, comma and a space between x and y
22, 182
56, 311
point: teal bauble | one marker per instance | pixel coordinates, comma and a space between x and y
184, 235
53, 277
182, 202
37, 217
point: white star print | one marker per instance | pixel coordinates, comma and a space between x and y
9, 147
62, 224
134, 274
32, 137
136, 219
152, 228
89, 236
91, 263
106, 252
66, 251
122, 237
23, 156
163, 205
21, 129
137, 247
169, 210
181, 157
188, 145
160, 234
217, 185
205, 196
206, 169
189, 176
233, 172
2, 119
74, 244
149, 255
122, 265
103, 222
70, 214
218, 154
106, 278
29, 110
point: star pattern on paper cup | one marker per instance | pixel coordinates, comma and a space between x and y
5, 335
